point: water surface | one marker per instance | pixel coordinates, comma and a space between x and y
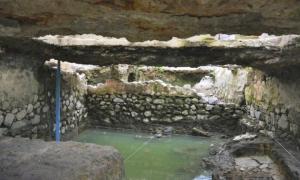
147, 158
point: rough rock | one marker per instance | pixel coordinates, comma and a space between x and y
283, 122
147, 113
199, 132
177, 118
19, 124
3, 131
35, 159
20, 115
36, 120
30, 108
142, 20
244, 136
118, 100
9, 118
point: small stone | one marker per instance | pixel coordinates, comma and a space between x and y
134, 114
85, 115
29, 108
14, 111
36, 120
200, 132
159, 101
118, 100
107, 120
214, 117
20, 115
45, 109
3, 131
63, 130
168, 130
19, 124
154, 119
283, 122
195, 100
35, 98
78, 105
146, 120
148, 99
209, 107
160, 107
261, 124
185, 112
112, 113
177, 118
37, 105
193, 107
201, 117
147, 113
9, 119
188, 100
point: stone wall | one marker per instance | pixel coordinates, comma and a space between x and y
27, 106
274, 104
24, 109
73, 95
148, 112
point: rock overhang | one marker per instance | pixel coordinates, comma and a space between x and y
141, 20
269, 53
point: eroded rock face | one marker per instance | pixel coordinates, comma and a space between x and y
148, 19
35, 159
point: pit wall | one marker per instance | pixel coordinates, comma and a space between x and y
24, 108
149, 112
27, 96
274, 104
147, 98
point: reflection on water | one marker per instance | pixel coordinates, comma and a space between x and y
148, 158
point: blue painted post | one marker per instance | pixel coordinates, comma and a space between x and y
57, 103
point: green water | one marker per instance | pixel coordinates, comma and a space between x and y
168, 158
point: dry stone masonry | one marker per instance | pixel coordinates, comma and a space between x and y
28, 120
145, 112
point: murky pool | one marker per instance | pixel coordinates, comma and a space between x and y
146, 158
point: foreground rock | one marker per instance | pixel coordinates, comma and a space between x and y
35, 159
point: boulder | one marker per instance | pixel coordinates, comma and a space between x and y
36, 159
